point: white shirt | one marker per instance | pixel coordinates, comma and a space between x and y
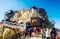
47, 33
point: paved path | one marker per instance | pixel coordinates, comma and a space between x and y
33, 38
36, 38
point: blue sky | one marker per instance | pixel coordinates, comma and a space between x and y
52, 7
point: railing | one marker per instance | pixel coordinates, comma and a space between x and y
13, 24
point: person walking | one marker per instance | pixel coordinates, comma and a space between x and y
53, 33
48, 34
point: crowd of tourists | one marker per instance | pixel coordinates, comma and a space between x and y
46, 33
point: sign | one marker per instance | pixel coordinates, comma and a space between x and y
35, 21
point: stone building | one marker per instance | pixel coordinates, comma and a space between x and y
24, 15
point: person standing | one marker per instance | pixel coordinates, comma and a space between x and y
48, 34
42, 33
35, 30
56, 37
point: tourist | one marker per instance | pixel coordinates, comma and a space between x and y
53, 33
56, 37
48, 34
35, 30
42, 33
